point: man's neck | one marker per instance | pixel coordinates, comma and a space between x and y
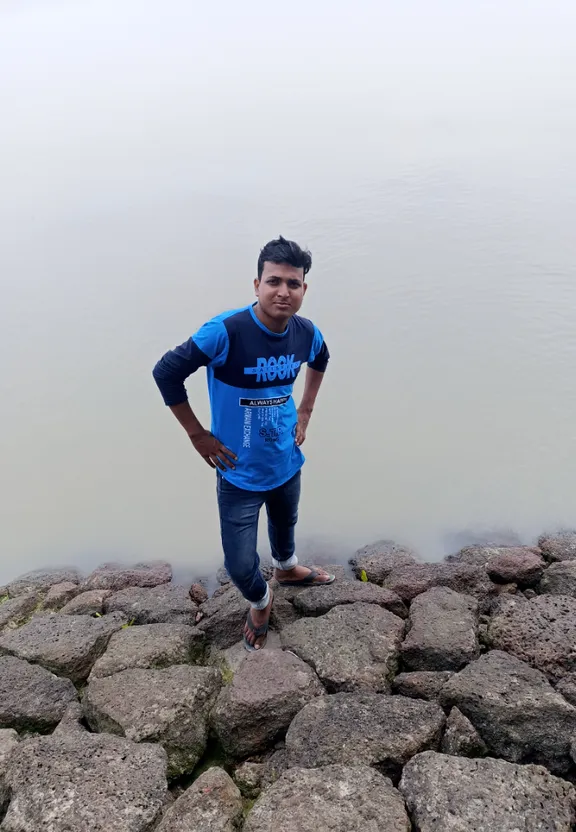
270, 323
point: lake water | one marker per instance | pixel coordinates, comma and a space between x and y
426, 153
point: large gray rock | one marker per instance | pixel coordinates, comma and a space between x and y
567, 687
168, 706
410, 581
422, 684
461, 738
32, 698
519, 566
515, 710
363, 729
541, 631
90, 602
560, 546
266, 693
59, 595
224, 618
117, 576
68, 645
319, 600
559, 579
8, 742
16, 611
76, 781
483, 555
249, 777
443, 632
454, 794
164, 604
335, 798
211, 804
150, 645
354, 647
40, 580
377, 560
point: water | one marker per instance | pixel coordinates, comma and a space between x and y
425, 153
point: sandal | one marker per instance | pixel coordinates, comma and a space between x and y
309, 580
258, 632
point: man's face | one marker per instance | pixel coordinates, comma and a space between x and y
280, 290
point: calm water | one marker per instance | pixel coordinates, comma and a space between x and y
426, 155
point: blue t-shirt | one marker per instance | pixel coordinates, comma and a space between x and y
251, 372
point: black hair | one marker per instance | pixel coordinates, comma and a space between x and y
284, 251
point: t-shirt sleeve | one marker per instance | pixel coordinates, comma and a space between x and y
207, 347
319, 354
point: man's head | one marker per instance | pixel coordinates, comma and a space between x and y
280, 286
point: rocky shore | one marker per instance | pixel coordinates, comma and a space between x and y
406, 697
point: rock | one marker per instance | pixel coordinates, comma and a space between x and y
530, 593
559, 579
60, 594
454, 794
461, 739
41, 580
283, 612
541, 632
378, 559
567, 688
15, 612
443, 632
515, 710
422, 684
518, 566
87, 603
32, 698
116, 576
266, 567
363, 729
335, 798
68, 645
224, 617
168, 706
165, 604
354, 647
211, 804
248, 777
150, 645
481, 555
410, 581
266, 693
81, 781
8, 742
197, 594
561, 546
319, 600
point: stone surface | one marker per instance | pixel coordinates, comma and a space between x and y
559, 579
353, 647
68, 645
16, 611
164, 604
40, 580
224, 617
422, 684
59, 595
443, 631
150, 645
117, 576
75, 782
515, 710
198, 594
211, 804
363, 729
248, 777
335, 798
8, 742
567, 687
167, 706
87, 603
518, 566
461, 739
410, 581
266, 693
319, 600
32, 698
560, 546
378, 559
482, 555
453, 794
541, 632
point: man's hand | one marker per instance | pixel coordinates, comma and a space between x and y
301, 427
212, 450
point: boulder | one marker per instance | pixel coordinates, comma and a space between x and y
461, 739
15, 612
410, 581
32, 698
40, 580
59, 595
422, 684
8, 742
68, 645
211, 804
336, 798
559, 579
541, 632
266, 693
168, 706
319, 600
354, 647
377, 560
164, 604
81, 781
150, 645
566, 687
248, 777
224, 618
516, 566
116, 576
455, 794
560, 546
90, 602
363, 729
482, 555
443, 631
515, 710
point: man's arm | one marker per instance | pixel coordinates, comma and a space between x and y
314, 377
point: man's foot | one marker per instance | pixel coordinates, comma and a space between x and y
303, 576
256, 627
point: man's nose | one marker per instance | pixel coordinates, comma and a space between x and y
283, 290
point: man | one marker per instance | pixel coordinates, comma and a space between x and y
253, 356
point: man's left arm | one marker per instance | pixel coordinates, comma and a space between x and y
315, 370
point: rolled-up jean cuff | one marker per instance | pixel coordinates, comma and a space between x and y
286, 564
261, 605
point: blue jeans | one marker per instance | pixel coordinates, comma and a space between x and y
239, 512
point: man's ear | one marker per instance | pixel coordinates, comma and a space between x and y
256, 286
305, 287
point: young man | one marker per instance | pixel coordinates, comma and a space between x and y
253, 356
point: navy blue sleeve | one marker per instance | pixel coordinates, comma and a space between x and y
319, 354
